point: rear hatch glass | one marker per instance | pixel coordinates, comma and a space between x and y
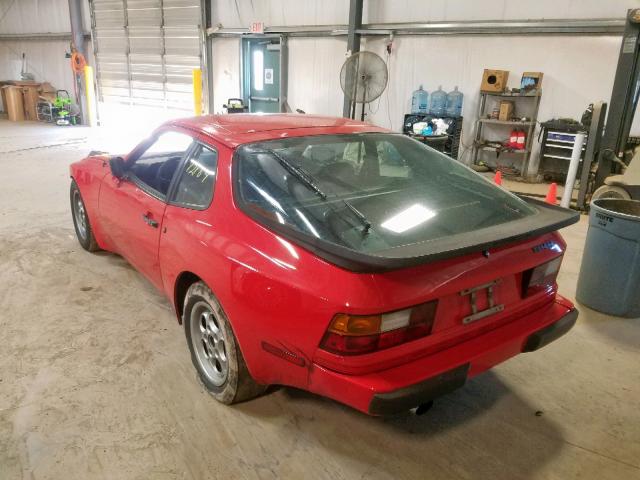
372, 195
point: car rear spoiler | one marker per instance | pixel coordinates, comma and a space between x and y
549, 218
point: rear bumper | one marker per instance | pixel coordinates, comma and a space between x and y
406, 386
546, 335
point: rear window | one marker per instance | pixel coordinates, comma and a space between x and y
368, 192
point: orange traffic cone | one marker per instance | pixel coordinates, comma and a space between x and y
497, 179
551, 194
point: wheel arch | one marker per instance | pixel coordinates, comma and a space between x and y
183, 282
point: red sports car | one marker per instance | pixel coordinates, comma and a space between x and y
329, 255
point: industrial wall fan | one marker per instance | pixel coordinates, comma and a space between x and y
363, 78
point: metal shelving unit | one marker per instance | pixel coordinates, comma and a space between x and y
480, 142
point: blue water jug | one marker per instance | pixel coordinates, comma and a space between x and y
420, 101
454, 103
438, 102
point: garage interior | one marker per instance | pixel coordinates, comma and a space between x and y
95, 379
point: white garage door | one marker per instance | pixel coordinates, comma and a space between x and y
146, 51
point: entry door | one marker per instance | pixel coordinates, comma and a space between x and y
263, 75
133, 218
132, 209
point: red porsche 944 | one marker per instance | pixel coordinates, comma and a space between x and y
329, 255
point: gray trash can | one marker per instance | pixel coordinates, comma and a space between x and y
610, 272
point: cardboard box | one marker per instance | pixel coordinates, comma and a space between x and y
531, 81
494, 81
14, 106
506, 111
4, 99
3, 94
26, 83
31, 96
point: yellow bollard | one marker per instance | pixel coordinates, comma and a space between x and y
197, 91
90, 93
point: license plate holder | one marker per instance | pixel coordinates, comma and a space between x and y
473, 297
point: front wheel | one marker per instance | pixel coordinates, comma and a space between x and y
81, 220
214, 349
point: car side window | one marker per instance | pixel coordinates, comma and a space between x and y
197, 180
157, 165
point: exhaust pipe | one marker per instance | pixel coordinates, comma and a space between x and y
424, 408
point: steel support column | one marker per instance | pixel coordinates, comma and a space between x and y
624, 98
207, 54
284, 74
591, 152
77, 33
353, 41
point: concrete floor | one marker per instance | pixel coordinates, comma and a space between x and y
96, 381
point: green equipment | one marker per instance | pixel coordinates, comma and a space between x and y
64, 112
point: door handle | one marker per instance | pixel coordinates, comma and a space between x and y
149, 221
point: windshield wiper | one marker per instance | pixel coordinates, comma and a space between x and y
360, 215
308, 181
300, 174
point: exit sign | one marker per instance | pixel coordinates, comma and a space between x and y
256, 27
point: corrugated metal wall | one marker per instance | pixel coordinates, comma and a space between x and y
577, 69
572, 76
240, 13
314, 86
45, 58
146, 51
34, 16
379, 11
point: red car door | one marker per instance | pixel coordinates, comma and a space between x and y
132, 208
187, 231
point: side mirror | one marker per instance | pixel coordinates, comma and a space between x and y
117, 167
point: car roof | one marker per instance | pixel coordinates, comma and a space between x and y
239, 128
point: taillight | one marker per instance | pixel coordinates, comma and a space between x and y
357, 334
541, 278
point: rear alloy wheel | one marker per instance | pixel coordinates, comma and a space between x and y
81, 220
214, 349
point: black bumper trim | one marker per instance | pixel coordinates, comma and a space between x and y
550, 333
414, 395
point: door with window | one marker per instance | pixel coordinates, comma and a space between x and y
187, 225
132, 208
262, 82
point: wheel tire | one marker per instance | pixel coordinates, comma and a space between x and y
610, 191
81, 220
221, 368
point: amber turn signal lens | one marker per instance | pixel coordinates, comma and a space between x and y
355, 334
344, 324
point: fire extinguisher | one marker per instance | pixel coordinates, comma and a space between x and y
513, 139
522, 137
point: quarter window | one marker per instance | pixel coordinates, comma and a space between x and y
197, 180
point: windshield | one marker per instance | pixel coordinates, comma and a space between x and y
368, 192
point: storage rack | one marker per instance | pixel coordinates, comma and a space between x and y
480, 143
555, 153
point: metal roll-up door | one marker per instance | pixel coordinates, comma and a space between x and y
146, 51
